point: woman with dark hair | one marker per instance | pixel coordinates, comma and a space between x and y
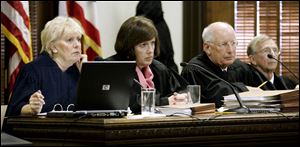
138, 41
153, 11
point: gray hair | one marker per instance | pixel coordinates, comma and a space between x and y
56, 29
209, 31
257, 40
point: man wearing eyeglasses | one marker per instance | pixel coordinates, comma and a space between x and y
219, 50
262, 52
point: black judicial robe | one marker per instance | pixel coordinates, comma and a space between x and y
250, 76
166, 82
45, 75
212, 88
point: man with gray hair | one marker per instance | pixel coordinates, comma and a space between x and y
261, 70
219, 50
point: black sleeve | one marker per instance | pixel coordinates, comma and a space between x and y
166, 82
23, 88
212, 88
290, 83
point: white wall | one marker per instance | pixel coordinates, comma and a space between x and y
113, 13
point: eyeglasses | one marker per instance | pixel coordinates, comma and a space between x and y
225, 44
269, 50
59, 107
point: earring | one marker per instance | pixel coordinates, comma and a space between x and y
54, 50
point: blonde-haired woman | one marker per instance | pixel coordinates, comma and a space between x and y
53, 76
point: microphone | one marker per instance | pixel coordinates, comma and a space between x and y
183, 64
242, 109
271, 57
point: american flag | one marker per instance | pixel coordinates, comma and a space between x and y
15, 25
85, 13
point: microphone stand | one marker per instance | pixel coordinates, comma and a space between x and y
271, 57
242, 109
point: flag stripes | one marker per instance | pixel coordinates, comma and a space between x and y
15, 29
18, 6
15, 25
15, 65
91, 39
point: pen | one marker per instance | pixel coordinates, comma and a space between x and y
262, 84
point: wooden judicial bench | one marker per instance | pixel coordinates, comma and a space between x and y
204, 130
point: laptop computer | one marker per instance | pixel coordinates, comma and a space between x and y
104, 89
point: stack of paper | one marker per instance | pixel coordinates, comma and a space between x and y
189, 109
268, 100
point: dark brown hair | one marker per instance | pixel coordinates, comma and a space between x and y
133, 31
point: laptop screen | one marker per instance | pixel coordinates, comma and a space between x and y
105, 85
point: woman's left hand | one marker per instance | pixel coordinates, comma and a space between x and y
83, 58
178, 99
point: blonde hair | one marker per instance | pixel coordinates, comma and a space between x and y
56, 29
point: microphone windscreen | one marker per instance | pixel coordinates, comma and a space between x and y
270, 56
183, 64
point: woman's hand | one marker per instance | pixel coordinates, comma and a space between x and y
178, 99
83, 58
36, 102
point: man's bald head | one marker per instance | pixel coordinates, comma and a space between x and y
211, 31
219, 43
